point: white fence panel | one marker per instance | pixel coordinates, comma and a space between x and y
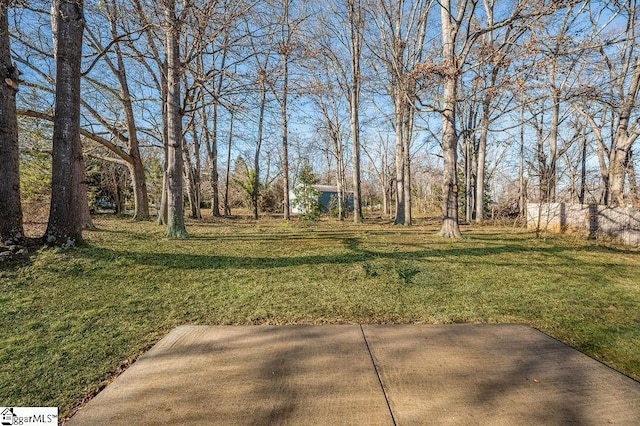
620, 223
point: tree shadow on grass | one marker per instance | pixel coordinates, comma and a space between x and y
514, 255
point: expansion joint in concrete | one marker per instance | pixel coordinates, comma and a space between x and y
375, 368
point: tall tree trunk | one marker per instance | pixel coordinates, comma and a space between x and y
197, 173
136, 166
211, 138
399, 111
355, 148
163, 212
10, 207
342, 187
484, 123
285, 140
623, 141
356, 23
175, 199
212, 150
193, 190
384, 181
284, 112
631, 174
340, 184
340, 169
255, 188
553, 148
399, 162
406, 160
624, 137
227, 206
450, 225
139, 181
522, 198
142, 16
66, 215
468, 178
617, 169
583, 170
482, 160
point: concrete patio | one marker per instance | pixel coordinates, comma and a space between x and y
364, 375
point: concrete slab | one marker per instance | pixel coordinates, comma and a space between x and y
497, 375
246, 375
431, 374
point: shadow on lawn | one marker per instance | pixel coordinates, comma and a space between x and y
501, 255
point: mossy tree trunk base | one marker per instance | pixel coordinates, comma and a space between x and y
450, 229
177, 231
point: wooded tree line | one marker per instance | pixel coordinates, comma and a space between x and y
519, 100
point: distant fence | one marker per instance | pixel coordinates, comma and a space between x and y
621, 224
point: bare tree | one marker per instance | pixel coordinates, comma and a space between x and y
623, 67
382, 171
496, 56
10, 207
67, 198
342, 25
597, 121
334, 63
326, 100
102, 107
559, 61
356, 29
286, 40
211, 135
450, 24
212, 41
461, 29
227, 205
150, 58
192, 169
262, 83
401, 28
175, 203
133, 157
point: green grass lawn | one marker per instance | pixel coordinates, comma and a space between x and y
71, 320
